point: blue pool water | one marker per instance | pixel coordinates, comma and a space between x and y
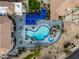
50, 39
40, 33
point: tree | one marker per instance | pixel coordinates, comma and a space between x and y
34, 5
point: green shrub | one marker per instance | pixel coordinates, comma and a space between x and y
34, 5
29, 56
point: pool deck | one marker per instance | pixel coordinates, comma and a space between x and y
20, 36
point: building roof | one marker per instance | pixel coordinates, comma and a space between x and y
9, 0
4, 19
5, 35
3, 51
3, 3
10, 5
59, 6
74, 55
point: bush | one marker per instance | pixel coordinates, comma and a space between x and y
29, 56
34, 5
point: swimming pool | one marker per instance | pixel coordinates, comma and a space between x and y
40, 33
